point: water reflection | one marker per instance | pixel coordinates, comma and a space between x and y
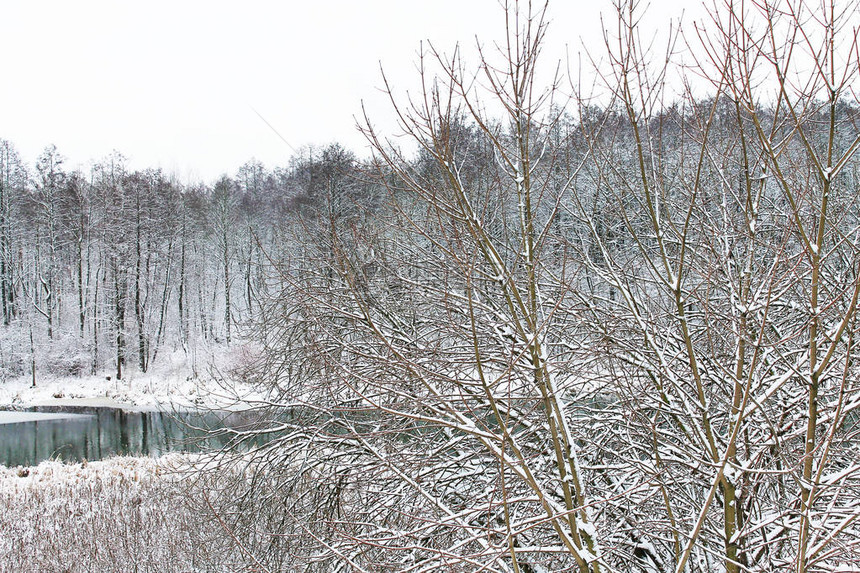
104, 432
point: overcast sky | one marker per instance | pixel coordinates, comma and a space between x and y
179, 84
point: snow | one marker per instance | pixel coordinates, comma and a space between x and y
55, 474
19, 417
169, 384
120, 514
589, 530
62, 517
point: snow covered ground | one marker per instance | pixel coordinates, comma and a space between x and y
8, 417
171, 383
123, 469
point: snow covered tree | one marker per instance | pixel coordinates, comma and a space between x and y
426, 362
13, 185
727, 353
46, 207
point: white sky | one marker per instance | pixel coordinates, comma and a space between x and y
174, 83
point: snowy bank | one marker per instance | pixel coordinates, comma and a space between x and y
172, 383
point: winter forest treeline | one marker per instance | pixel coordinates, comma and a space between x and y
566, 328
109, 267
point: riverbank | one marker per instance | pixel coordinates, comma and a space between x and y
172, 383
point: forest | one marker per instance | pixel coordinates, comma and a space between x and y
568, 326
108, 267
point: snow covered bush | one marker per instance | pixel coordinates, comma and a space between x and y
122, 514
14, 353
67, 355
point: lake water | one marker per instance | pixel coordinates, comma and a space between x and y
27, 438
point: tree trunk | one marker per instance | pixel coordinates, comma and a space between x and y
138, 303
182, 298
165, 298
119, 319
226, 259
